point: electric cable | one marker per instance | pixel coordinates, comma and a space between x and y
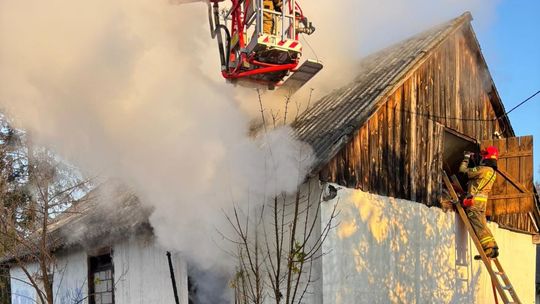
521, 103
431, 116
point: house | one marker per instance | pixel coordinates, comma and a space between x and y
382, 142
385, 139
104, 247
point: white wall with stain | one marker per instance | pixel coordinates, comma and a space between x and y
70, 281
21, 291
141, 275
518, 258
388, 250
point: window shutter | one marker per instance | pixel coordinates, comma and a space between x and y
513, 188
511, 201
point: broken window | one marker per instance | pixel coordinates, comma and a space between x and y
100, 279
455, 144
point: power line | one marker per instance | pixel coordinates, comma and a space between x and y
521, 103
431, 116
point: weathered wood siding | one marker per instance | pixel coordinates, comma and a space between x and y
398, 151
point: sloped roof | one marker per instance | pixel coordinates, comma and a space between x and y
328, 125
104, 215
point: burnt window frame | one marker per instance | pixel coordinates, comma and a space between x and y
455, 144
95, 265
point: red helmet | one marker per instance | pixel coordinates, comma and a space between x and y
490, 152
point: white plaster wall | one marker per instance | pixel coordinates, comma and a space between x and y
141, 273
21, 291
389, 250
315, 292
70, 282
518, 258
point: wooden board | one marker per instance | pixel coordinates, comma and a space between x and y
398, 149
512, 192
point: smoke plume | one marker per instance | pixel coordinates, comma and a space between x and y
347, 30
131, 89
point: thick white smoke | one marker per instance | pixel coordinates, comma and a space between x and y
131, 88
350, 29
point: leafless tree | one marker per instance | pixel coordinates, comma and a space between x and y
277, 246
278, 242
36, 186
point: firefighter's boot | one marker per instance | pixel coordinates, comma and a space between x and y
490, 253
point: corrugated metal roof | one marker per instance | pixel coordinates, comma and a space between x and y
329, 124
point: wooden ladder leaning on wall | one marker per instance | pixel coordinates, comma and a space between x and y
505, 289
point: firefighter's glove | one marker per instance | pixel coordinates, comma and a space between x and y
468, 202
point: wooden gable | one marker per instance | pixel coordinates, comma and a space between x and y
399, 150
397, 144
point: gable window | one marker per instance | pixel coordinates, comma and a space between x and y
101, 279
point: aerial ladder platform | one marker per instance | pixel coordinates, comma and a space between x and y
259, 45
499, 279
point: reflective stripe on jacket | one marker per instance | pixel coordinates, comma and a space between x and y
481, 179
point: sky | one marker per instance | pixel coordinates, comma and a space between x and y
511, 47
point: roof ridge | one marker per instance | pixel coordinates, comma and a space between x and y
450, 24
328, 124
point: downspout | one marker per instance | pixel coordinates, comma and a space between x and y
173, 280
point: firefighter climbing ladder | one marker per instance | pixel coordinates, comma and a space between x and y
505, 289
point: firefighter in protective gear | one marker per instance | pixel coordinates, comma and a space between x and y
268, 17
481, 180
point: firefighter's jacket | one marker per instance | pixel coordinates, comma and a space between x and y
268, 18
481, 179
273, 4
277, 4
